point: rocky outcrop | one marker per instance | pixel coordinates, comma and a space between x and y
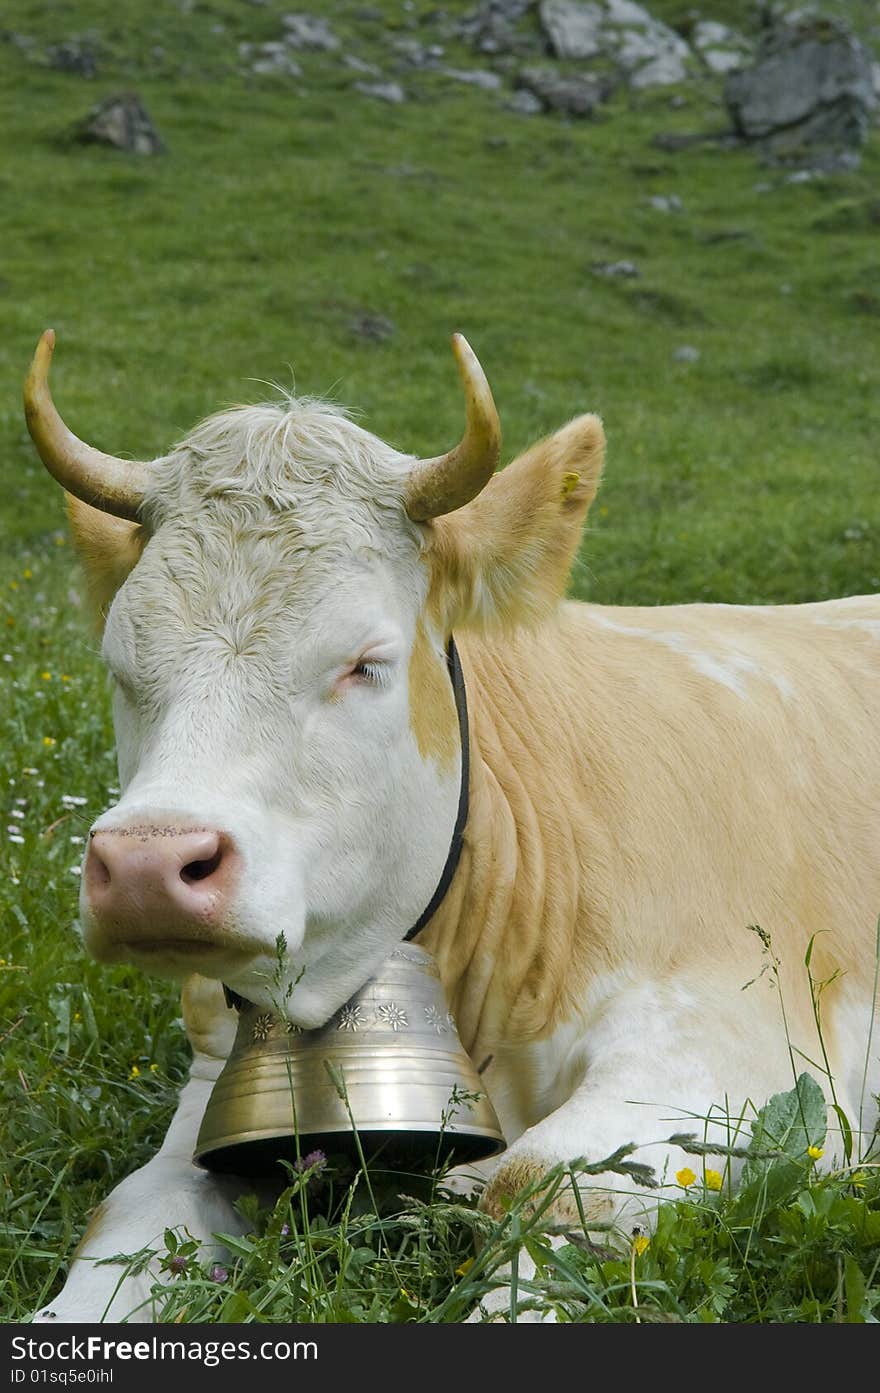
811, 85
642, 47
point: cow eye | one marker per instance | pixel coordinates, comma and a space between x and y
369, 672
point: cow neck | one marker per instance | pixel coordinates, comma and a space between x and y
456, 677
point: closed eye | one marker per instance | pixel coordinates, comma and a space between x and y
375, 673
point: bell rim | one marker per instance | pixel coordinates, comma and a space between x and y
392, 1129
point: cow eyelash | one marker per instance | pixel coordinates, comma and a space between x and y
375, 673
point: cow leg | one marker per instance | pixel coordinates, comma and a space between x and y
658, 1061
168, 1192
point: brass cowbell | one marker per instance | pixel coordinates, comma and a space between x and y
389, 1064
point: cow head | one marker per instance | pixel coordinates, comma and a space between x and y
277, 594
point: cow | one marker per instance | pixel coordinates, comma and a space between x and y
647, 786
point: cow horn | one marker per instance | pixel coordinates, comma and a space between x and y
438, 486
115, 485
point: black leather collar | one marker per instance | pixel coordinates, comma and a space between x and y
458, 688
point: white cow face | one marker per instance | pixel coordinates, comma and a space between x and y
272, 668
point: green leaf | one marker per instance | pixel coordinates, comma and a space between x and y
854, 1288
785, 1127
243, 1246
846, 1130
237, 1308
790, 1122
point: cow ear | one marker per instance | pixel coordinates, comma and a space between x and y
504, 559
109, 549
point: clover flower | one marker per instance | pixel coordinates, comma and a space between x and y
315, 1160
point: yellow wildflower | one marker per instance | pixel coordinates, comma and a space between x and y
48, 740
13, 585
713, 1180
65, 677
814, 1152
46, 676
28, 574
640, 1243
154, 1068
77, 1016
685, 1177
465, 1268
858, 1180
134, 1072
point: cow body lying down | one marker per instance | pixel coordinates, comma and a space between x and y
646, 785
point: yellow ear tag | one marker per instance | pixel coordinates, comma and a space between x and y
569, 482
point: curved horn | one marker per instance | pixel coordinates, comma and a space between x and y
441, 485
115, 485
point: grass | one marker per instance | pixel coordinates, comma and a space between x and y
282, 212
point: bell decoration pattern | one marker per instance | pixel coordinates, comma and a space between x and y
386, 1076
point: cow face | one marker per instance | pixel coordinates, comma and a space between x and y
272, 668
276, 624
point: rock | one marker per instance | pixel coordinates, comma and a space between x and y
269, 60
628, 270
577, 94
476, 77
309, 31
123, 122
382, 91
666, 203
811, 84
493, 27
574, 29
525, 103
621, 32
686, 354
372, 328
723, 50
21, 41
418, 55
77, 56
358, 65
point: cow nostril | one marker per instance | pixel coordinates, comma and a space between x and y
96, 868
200, 870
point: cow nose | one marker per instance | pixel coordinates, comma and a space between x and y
150, 882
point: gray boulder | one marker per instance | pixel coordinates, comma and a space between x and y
309, 31
811, 85
723, 50
383, 91
123, 122
269, 60
475, 77
577, 94
494, 27
77, 55
620, 31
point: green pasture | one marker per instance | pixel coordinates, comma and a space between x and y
282, 217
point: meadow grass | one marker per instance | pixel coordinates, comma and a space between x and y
281, 214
